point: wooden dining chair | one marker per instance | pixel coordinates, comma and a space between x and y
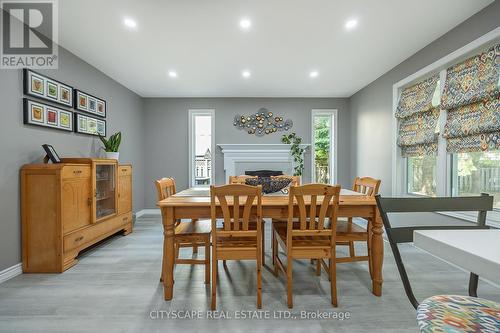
348, 232
404, 234
239, 238
308, 237
187, 234
241, 179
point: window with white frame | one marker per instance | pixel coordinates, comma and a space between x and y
455, 151
324, 144
201, 147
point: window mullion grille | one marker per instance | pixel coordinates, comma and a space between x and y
442, 163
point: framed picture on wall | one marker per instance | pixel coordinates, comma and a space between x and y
89, 103
52, 90
44, 115
89, 125
43, 87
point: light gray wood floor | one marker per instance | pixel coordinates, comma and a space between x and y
115, 287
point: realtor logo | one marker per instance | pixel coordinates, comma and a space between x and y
29, 34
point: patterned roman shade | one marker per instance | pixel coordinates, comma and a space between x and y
418, 116
471, 96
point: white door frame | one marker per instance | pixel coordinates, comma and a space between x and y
191, 114
333, 113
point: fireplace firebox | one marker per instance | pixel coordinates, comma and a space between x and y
264, 173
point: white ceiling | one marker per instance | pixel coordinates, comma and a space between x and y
203, 42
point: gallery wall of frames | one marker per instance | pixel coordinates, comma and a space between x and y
76, 110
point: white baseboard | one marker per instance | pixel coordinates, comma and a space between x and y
11, 272
154, 211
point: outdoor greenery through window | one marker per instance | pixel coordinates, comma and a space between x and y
422, 175
323, 144
474, 173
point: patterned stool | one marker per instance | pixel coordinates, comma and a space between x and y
454, 314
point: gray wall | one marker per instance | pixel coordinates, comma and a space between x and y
166, 133
21, 144
371, 107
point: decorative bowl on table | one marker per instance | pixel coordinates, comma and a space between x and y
270, 185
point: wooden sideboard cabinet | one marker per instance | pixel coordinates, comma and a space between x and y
69, 206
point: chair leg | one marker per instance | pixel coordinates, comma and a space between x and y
273, 247
263, 242
195, 248
207, 261
369, 249
177, 246
327, 269
333, 281
162, 265
318, 267
352, 254
289, 281
473, 281
259, 281
213, 303
351, 244
275, 254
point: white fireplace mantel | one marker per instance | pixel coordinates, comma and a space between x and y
265, 156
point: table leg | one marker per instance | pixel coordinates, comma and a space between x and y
168, 252
377, 253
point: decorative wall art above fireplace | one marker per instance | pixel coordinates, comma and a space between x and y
262, 122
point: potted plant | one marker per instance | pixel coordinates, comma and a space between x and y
296, 151
111, 145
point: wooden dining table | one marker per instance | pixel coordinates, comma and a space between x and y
194, 203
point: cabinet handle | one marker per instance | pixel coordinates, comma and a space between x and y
77, 171
124, 170
78, 239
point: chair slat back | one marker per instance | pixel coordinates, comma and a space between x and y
165, 188
481, 204
315, 203
236, 202
239, 179
366, 185
439, 204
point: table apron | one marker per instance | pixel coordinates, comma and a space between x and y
278, 212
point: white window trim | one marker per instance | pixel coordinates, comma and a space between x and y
334, 143
399, 177
191, 114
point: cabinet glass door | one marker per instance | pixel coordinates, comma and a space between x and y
105, 190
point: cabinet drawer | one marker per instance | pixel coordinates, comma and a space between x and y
124, 170
76, 171
95, 232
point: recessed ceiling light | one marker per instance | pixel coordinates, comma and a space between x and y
246, 74
351, 24
172, 74
314, 74
245, 24
129, 23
